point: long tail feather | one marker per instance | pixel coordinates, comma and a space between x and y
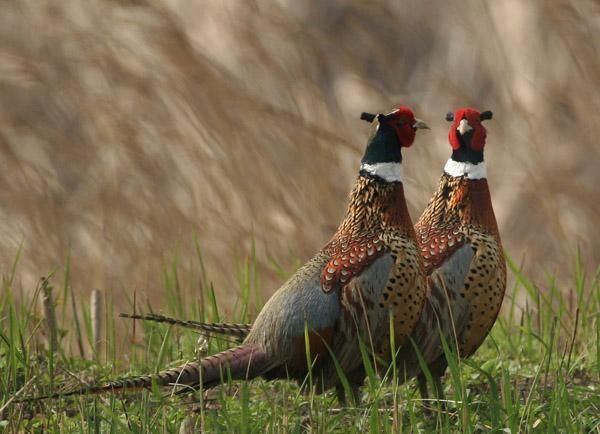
241, 362
239, 331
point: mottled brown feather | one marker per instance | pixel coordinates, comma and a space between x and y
461, 210
378, 222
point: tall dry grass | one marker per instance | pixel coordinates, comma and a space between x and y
128, 126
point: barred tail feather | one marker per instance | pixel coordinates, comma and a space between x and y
241, 362
239, 331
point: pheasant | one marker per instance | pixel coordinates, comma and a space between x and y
458, 229
463, 258
369, 270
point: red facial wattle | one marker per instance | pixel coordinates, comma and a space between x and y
403, 124
472, 116
406, 133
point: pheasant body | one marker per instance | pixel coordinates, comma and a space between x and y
403, 284
391, 282
462, 209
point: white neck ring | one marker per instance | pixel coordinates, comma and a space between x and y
471, 171
389, 172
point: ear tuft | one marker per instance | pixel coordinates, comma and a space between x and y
486, 115
369, 117
449, 116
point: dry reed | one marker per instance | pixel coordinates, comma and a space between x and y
128, 126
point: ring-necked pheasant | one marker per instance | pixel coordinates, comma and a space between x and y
371, 268
459, 224
460, 243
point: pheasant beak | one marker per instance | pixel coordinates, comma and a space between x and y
420, 125
464, 127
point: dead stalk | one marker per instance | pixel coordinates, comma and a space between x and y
96, 312
49, 315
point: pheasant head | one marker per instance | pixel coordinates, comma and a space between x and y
377, 199
394, 131
467, 138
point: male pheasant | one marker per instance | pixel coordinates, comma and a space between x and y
459, 226
460, 243
369, 270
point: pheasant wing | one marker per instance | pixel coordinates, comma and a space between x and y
349, 256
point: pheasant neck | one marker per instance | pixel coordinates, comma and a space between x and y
465, 169
376, 205
464, 201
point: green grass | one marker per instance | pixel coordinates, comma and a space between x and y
538, 371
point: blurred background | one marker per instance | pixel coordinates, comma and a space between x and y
130, 127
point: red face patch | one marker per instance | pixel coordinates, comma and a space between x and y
403, 122
479, 132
